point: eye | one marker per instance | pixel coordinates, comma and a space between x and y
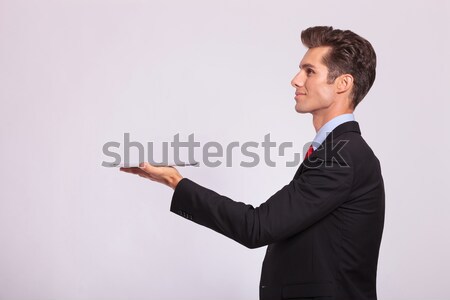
309, 71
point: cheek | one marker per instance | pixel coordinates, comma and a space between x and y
326, 93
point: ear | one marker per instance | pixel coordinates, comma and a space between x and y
344, 83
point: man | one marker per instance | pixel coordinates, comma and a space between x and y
324, 228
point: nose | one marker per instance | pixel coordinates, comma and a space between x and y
298, 80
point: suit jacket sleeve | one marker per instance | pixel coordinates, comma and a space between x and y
317, 191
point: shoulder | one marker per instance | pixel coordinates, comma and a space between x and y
342, 148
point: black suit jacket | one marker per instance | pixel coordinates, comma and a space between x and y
323, 229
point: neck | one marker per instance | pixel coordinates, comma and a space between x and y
321, 119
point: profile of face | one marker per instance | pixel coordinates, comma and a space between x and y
313, 93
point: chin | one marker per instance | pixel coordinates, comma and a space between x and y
300, 109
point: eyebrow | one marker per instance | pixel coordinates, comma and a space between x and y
306, 66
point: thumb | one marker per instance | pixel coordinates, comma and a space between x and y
146, 167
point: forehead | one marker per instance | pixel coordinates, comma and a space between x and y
314, 56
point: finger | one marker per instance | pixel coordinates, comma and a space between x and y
144, 176
129, 170
154, 170
132, 170
149, 169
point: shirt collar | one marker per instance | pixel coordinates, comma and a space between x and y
329, 127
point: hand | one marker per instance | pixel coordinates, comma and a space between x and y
166, 175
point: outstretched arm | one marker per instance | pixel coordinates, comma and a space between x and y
318, 191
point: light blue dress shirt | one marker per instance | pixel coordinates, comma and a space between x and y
329, 127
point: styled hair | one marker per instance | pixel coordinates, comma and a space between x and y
349, 54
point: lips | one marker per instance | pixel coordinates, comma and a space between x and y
299, 93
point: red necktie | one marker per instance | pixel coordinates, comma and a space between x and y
309, 152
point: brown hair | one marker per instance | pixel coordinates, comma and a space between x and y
349, 54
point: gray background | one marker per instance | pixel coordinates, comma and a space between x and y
77, 74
